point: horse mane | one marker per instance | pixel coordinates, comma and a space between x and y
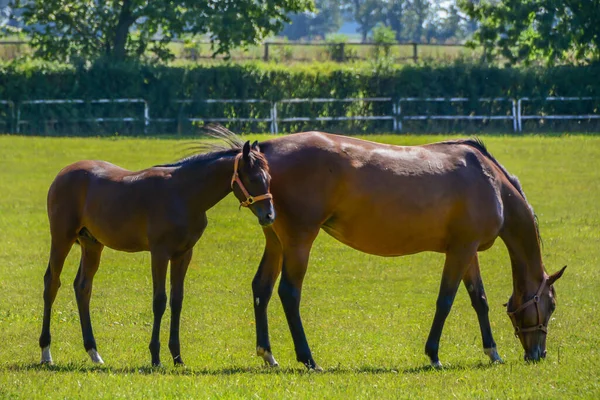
478, 144
228, 143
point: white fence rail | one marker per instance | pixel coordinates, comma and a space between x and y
145, 118
512, 117
521, 117
514, 113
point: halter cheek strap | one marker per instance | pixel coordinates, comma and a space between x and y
236, 179
534, 300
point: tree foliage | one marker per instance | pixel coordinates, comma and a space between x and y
88, 29
527, 30
327, 18
412, 20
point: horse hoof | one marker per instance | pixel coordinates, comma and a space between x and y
492, 353
178, 361
267, 356
46, 356
157, 365
96, 359
437, 365
312, 366
272, 364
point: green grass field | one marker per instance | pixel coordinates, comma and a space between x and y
367, 318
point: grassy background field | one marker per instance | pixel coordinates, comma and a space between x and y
366, 318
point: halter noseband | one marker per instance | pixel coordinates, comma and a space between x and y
534, 300
236, 179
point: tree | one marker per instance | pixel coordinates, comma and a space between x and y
67, 29
552, 30
394, 16
416, 14
366, 13
450, 25
327, 18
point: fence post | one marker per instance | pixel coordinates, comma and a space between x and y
146, 116
342, 52
514, 113
415, 53
274, 127
395, 115
399, 115
519, 121
18, 120
266, 56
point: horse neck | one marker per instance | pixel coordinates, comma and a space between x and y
204, 184
521, 238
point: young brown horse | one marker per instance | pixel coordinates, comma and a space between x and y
451, 197
160, 209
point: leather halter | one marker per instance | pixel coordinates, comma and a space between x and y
534, 300
236, 179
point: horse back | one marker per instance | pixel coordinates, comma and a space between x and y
384, 199
104, 198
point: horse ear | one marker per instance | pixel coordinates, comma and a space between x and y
255, 146
246, 151
554, 277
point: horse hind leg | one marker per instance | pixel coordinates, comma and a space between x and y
160, 262
59, 250
474, 285
91, 250
179, 267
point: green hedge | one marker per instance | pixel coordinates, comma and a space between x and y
160, 85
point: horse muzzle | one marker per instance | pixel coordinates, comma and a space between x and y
535, 355
267, 220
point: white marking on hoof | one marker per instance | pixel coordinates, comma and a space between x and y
437, 364
93, 353
267, 357
46, 356
316, 369
492, 353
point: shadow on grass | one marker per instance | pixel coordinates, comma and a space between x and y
191, 371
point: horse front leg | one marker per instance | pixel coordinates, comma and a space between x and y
458, 259
295, 263
160, 262
179, 267
262, 289
474, 284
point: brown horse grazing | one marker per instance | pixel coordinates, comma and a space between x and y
160, 209
451, 197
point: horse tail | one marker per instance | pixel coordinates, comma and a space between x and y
514, 181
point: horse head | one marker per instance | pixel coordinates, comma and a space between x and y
251, 183
530, 317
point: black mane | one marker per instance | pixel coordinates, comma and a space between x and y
479, 145
228, 144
